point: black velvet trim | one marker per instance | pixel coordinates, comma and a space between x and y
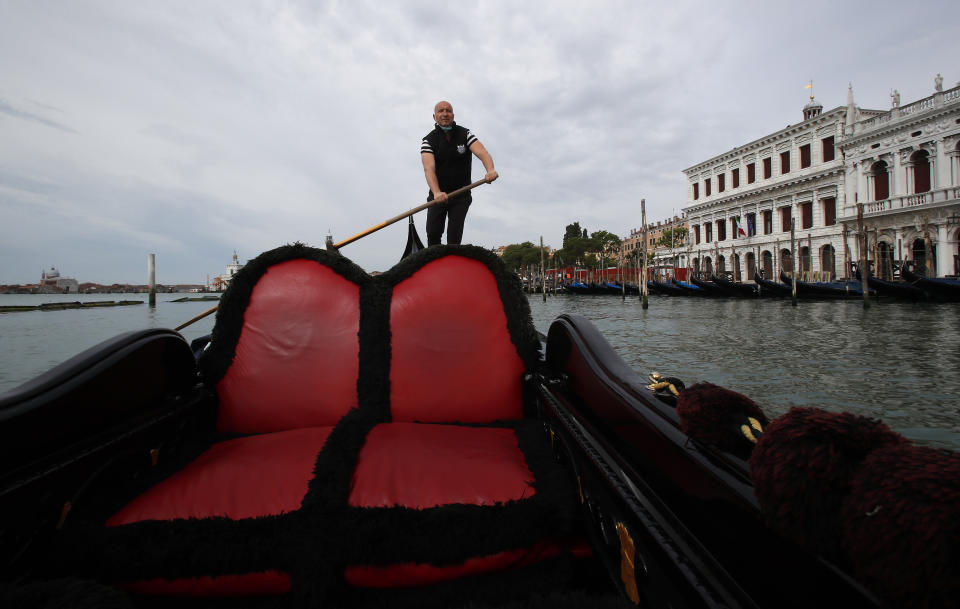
180, 548
215, 361
531, 586
67, 593
520, 325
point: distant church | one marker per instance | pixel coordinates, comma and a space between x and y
52, 283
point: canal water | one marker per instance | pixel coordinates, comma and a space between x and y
899, 362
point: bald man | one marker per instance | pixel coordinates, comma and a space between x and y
446, 155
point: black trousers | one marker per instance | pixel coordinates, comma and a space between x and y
453, 214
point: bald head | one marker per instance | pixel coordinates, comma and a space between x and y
443, 113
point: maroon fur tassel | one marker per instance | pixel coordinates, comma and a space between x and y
802, 468
901, 525
715, 416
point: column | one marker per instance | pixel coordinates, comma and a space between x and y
942, 168
944, 252
896, 181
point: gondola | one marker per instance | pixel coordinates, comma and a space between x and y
734, 288
893, 289
410, 440
578, 287
818, 289
689, 289
710, 287
937, 288
665, 288
771, 288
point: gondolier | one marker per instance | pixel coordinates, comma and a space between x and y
446, 155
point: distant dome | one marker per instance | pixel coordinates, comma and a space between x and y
53, 272
812, 108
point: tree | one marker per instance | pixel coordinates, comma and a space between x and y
519, 256
573, 231
673, 237
607, 243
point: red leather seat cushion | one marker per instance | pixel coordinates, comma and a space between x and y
424, 465
241, 478
296, 361
452, 357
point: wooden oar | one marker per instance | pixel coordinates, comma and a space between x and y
372, 229
406, 214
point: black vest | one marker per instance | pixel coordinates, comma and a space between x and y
452, 159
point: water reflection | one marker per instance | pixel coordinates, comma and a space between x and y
894, 361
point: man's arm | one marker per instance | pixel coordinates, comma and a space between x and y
430, 172
481, 153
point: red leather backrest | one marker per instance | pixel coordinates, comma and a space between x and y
296, 361
452, 357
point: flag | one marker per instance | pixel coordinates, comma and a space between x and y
740, 228
808, 86
751, 229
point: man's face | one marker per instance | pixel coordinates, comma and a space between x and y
443, 114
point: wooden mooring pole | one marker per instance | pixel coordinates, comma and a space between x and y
543, 272
643, 282
152, 278
793, 260
864, 267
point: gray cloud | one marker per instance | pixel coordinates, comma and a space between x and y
10, 110
197, 129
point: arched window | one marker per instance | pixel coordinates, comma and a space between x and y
786, 261
920, 164
696, 265
735, 264
708, 266
881, 181
919, 256
885, 260
751, 265
767, 264
804, 259
828, 265
721, 264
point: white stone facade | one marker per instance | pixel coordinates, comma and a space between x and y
812, 175
904, 167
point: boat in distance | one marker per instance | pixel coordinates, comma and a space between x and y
410, 439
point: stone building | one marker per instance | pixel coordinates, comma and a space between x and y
810, 177
662, 256
903, 165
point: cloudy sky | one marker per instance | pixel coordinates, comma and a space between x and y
195, 128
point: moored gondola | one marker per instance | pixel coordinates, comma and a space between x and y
937, 288
665, 288
710, 287
771, 288
689, 289
893, 289
817, 289
736, 289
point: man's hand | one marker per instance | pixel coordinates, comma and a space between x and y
440, 197
491, 176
